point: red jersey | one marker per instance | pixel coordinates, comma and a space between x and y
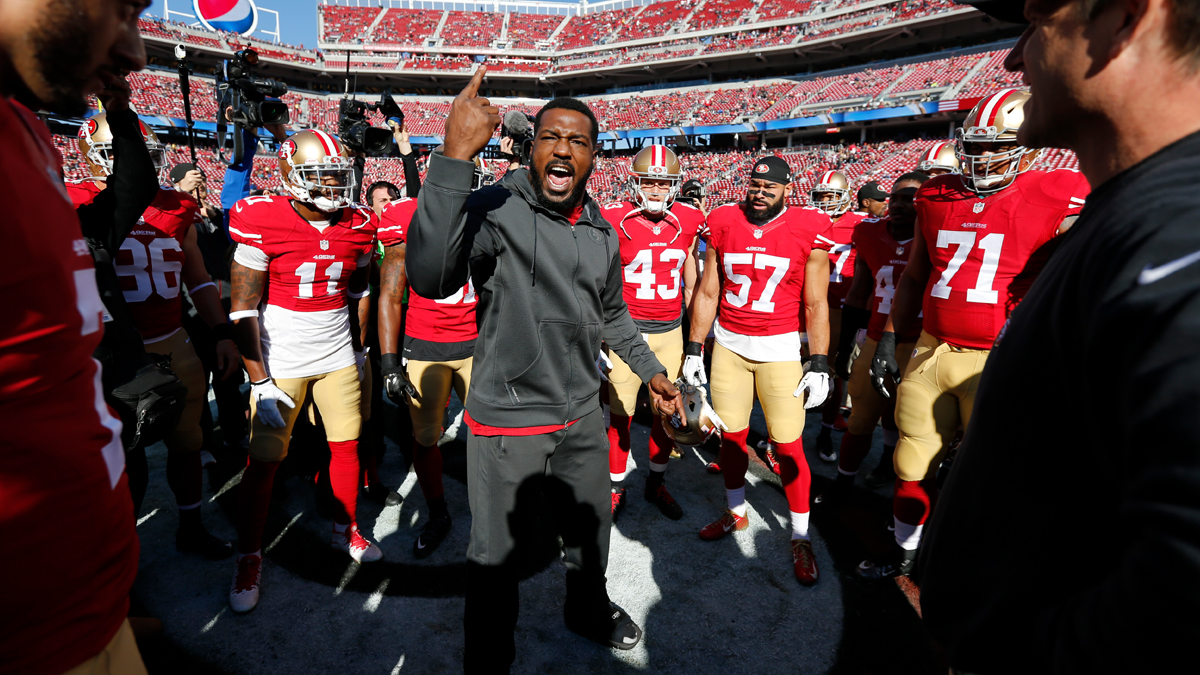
61, 459
841, 257
762, 268
150, 260
978, 245
652, 257
450, 319
309, 268
887, 259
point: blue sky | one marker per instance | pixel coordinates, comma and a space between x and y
297, 18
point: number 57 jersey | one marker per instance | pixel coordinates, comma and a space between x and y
980, 248
304, 323
762, 269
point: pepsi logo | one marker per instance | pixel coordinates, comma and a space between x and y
287, 149
234, 16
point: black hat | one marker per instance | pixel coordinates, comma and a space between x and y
871, 190
772, 168
1012, 11
180, 171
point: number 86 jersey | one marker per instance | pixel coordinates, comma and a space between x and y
762, 268
304, 324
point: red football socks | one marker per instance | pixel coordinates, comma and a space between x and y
734, 460
911, 504
427, 460
660, 443
794, 473
343, 478
254, 499
618, 443
853, 451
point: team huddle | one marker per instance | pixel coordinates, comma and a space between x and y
888, 314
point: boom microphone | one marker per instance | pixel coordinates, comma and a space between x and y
516, 123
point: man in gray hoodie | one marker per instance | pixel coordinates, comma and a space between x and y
546, 268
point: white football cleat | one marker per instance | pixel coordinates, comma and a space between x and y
243, 594
358, 546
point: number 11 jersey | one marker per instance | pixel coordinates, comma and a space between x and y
304, 323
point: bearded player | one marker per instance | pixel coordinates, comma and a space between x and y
831, 194
314, 249
658, 235
974, 252
939, 160
771, 262
438, 350
158, 256
882, 246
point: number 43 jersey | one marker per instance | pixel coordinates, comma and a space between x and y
980, 246
762, 272
652, 256
304, 323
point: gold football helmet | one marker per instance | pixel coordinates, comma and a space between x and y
831, 183
484, 175
698, 421
939, 159
95, 144
995, 121
656, 162
316, 169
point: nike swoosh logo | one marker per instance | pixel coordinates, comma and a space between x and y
729, 527
420, 545
1150, 274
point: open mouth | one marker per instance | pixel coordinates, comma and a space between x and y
558, 177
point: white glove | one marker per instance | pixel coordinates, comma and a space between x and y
604, 363
360, 361
266, 399
693, 371
815, 383
712, 415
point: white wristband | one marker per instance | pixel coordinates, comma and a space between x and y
203, 285
356, 296
244, 314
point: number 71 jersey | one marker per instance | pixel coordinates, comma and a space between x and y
762, 268
980, 248
652, 256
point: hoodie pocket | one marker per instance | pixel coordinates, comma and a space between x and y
544, 370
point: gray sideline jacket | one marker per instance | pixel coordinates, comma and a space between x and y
548, 291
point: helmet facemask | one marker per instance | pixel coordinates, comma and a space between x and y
981, 172
99, 156
835, 207
483, 175
326, 185
645, 202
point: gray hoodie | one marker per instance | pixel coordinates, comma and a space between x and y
548, 292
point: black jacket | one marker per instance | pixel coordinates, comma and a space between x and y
548, 292
1067, 537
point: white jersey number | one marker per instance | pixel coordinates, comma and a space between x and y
761, 261
308, 276
151, 273
965, 241
839, 254
885, 289
640, 273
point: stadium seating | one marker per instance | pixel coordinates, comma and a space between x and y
990, 78
656, 20
526, 30
346, 24
471, 29
716, 13
403, 27
783, 9
936, 74
593, 29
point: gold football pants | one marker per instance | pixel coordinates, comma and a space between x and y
934, 399
869, 406
623, 384
433, 380
186, 437
338, 398
734, 382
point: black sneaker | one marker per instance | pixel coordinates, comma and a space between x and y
435, 531
663, 500
837, 494
382, 494
197, 540
884, 473
825, 446
900, 562
613, 628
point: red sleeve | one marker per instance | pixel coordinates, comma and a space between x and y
244, 227
393, 225
823, 226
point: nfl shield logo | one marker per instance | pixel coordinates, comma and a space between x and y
978, 207
899, 250
324, 245
657, 229
758, 234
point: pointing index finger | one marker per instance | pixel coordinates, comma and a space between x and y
472, 88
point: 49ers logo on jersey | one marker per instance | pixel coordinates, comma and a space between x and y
287, 149
88, 128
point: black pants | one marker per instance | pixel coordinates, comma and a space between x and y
513, 482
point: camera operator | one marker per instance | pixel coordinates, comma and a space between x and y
692, 192
61, 462
237, 175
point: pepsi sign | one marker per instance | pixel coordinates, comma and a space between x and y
233, 16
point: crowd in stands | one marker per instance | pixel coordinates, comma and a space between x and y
656, 20
716, 13
406, 27
593, 29
471, 29
525, 31
345, 24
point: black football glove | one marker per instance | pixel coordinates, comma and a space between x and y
395, 382
884, 368
853, 320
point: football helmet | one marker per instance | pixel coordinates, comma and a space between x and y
700, 420
316, 169
95, 144
484, 176
836, 183
940, 158
655, 162
994, 120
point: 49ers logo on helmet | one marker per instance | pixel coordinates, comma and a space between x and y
658, 169
287, 149
88, 128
